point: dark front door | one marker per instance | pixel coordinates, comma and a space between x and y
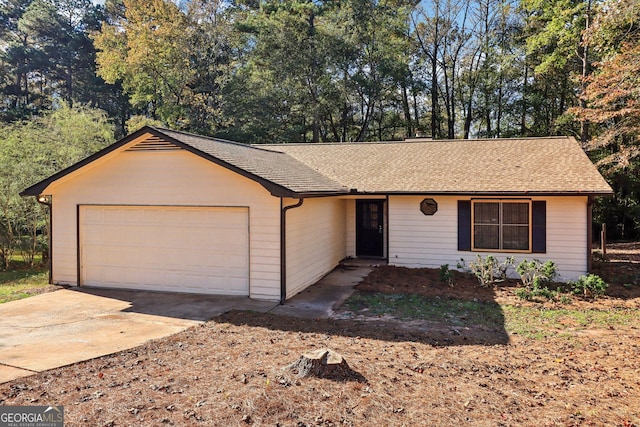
369, 227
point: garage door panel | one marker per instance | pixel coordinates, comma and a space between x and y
184, 249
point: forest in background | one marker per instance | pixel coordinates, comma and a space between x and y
259, 71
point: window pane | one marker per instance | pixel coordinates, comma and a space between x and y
515, 237
515, 213
370, 216
486, 237
486, 213
373, 219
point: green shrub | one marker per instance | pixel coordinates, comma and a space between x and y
543, 292
488, 270
523, 293
590, 285
564, 299
534, 273
446, 276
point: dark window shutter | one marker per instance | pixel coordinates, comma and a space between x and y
539, 224
464, 225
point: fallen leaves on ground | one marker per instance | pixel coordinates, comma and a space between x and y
230, 372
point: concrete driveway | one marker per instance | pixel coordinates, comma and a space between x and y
63, 327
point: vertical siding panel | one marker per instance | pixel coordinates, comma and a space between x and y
351, 228
315, 241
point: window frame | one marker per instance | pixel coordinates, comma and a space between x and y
500, 225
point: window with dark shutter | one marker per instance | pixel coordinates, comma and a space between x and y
506, 225
501, 225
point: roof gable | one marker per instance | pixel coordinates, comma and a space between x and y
279, 173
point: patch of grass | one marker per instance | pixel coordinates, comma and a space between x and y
14, 283
536, 323
17, 258
453, 312
541, 322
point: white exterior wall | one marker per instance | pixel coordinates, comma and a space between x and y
315, 240
417, 240
350, 227
175, 178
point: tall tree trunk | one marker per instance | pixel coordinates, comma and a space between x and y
407, 112
548, 112
473, 83
334, 129
487, 117
523, 117
313, 79
563, 101
345, 119
584, 124
487, 111
414, 93
69, 85
451, 114
499, 112
366, 122
468, 117
434, 95
380, 124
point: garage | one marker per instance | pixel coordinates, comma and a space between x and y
165, 248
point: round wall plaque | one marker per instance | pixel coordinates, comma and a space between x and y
428, 206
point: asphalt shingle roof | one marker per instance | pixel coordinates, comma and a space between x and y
273, 166
554, 165
527, 165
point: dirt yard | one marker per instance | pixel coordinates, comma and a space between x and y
229, 372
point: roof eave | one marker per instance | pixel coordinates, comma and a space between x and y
485, 193
317, 194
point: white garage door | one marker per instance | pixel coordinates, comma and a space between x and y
178, 249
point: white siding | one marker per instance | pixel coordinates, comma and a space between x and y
315, 241
351, 228
173, 178
417, 240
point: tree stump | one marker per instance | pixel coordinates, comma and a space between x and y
324, 363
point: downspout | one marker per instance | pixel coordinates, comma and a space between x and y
386, 226
46, 201
283, 246
590, 200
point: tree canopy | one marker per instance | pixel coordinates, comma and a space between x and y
352, 70
31, 150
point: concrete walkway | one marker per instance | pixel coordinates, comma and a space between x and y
71, 325
320, 300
